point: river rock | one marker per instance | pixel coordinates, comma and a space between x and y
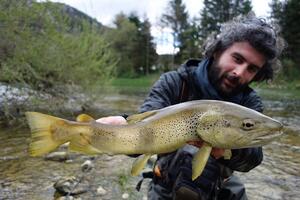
65, 146
58, 156
87, 166
71, 185
68, 198
65, 198
125, 196
101, 191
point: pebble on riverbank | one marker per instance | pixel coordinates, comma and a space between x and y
58, 156
125, 196
71, 185
87, 166
101, 191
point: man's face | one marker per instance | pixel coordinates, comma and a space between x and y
235, 67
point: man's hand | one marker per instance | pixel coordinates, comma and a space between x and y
217, 152
113, 120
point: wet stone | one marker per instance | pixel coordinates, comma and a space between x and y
87, 166
5, 184
69, 161
68, 198
125, 196
57, 156
65, 146
101, 191
65, 198
71, 186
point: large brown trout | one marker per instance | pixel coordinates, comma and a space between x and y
217, 123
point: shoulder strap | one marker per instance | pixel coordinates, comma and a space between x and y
184, 92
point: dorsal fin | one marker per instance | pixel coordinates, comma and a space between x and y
84, 118
139, 117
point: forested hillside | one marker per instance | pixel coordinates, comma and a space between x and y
43, 44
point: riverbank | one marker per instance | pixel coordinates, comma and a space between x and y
15, 100
67, 101
278, 90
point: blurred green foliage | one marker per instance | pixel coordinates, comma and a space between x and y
140, 82
42, 45
133, 44
286, 14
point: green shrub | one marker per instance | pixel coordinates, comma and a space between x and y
41, 46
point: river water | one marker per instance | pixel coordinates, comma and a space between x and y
24, 177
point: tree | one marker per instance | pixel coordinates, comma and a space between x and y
147, 48
177, 19
192, 42
123, 39
291, 28
216, 12
38, 46
286, 13
240, 7
145, 52
276, 10
132, 41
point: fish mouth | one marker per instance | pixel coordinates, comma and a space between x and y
276, 125
266, 138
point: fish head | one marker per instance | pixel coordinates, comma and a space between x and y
233, 126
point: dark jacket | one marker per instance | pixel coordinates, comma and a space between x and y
166, 91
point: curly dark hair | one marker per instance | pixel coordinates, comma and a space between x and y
262, 36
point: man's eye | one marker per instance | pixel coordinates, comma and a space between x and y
252, 69
238, 60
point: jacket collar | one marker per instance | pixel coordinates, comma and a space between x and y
206, 88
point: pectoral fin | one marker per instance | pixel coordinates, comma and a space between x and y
139, 164
200, 160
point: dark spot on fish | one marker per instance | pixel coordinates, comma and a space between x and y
226, 123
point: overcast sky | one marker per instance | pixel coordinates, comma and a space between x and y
105, 10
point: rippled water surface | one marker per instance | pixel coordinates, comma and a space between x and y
24, 177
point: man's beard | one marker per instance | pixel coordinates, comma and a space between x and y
216, 79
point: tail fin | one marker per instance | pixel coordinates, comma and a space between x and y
42, 139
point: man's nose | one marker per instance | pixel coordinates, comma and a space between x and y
240, 70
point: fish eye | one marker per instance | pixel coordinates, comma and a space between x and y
248, 124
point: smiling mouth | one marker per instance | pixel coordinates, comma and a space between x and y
229, 83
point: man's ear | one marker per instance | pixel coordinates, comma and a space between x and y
216, 55
262, 74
